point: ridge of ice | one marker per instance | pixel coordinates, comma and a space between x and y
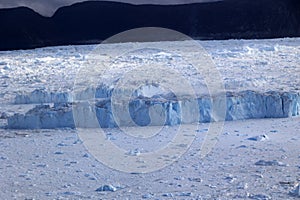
160, 111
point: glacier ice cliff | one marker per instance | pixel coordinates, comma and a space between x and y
44, 117
40, 96
154, 111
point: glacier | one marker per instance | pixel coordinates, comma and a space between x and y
155, 111
261, 80
39, 96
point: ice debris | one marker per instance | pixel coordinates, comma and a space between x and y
185, 194
134, 152
3, 115
106, 188
270, 163
260, 197
168, 195
296, 191
147, 196
259, 138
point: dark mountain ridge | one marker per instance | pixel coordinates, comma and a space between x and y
87, 22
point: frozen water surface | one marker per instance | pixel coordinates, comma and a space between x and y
253, 158
261, 79
54, 164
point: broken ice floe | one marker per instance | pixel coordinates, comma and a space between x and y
168, 195
260, 197
3, 115
185, 194
270, 163
259, 138
135, 152
147, 196
296, 191
106, 188
3, 63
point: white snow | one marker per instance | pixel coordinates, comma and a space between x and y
260, 77
253, 159
54, 164
262, 65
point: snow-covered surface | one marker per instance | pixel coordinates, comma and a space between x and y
262, 65
261, 79
54, 164
255, 159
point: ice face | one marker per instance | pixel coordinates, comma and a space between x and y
41, 96
249, 105
161, 111
44, 116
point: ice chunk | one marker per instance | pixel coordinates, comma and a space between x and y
3, 115
259, 138
260, 197
296, 191
270, 163
106, 188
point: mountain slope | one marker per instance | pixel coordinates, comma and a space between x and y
95, 21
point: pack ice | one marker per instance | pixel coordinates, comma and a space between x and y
260, 80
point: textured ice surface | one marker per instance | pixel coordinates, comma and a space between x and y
55, 164
261, 79
42, 96
244, 65
43, 116
160, 111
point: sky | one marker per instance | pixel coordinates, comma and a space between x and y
48, 7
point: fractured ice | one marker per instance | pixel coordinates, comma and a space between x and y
249, 69
42, 96
155, 110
